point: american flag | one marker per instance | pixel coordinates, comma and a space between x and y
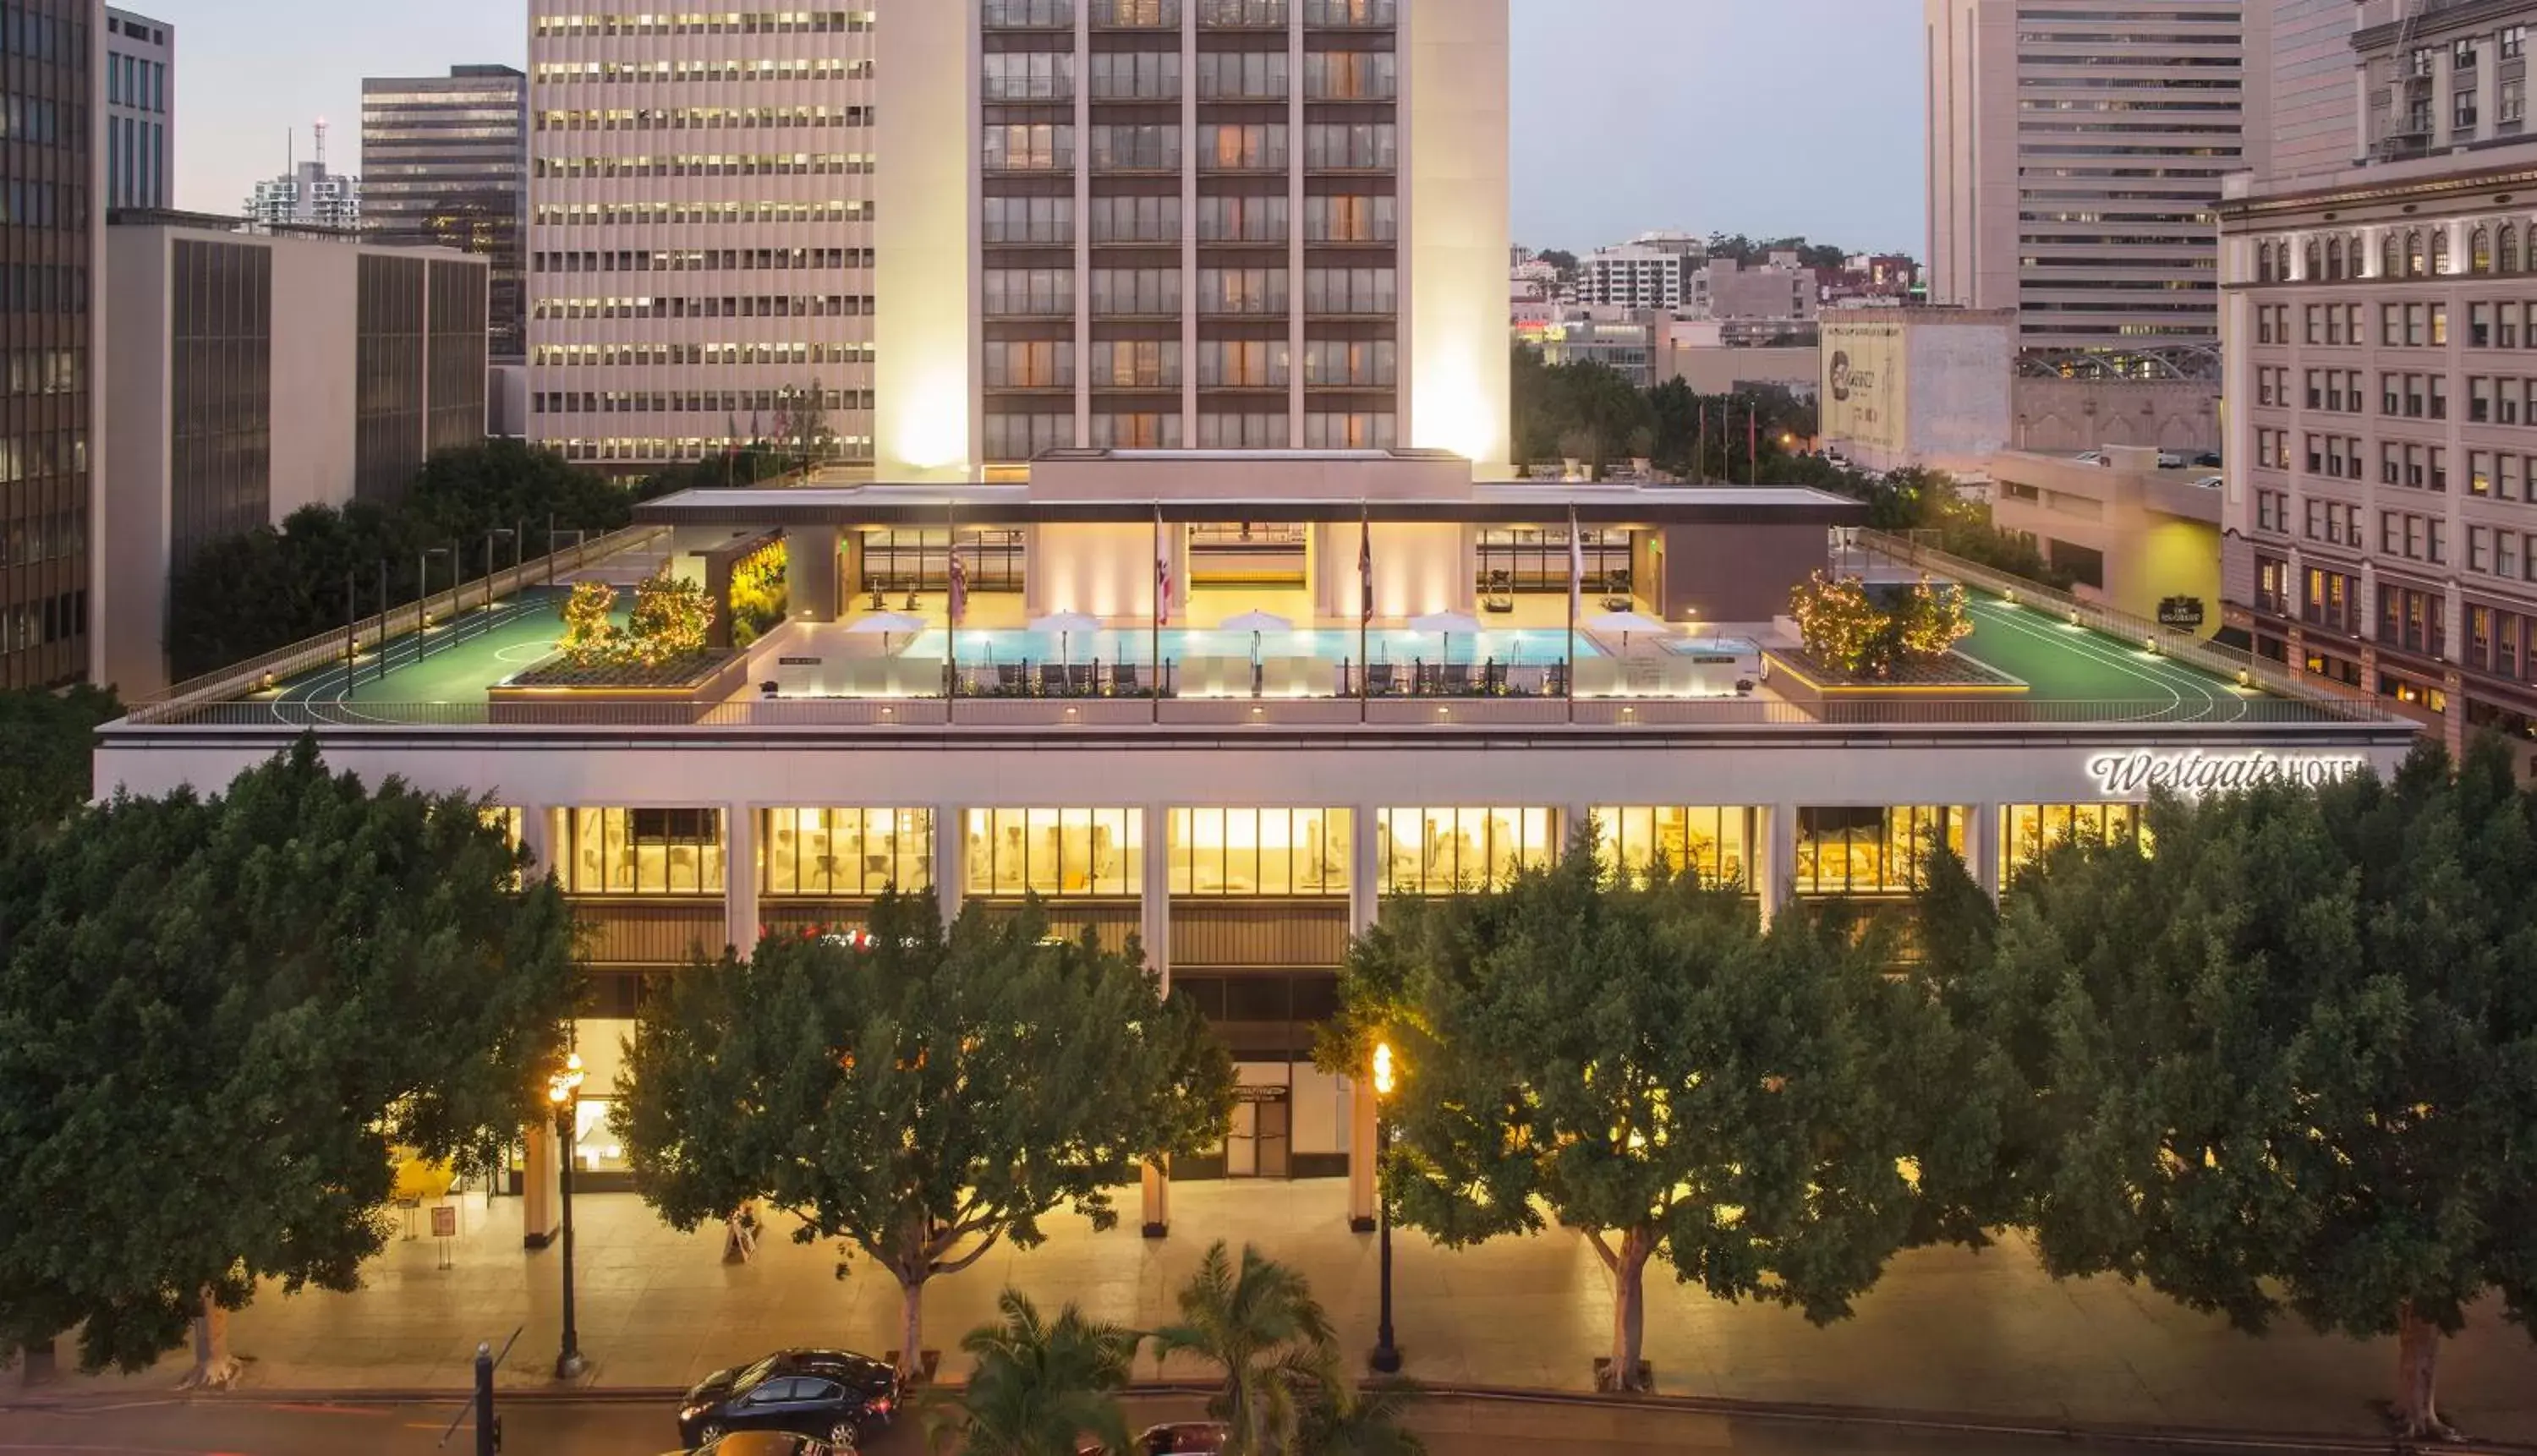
1162, 574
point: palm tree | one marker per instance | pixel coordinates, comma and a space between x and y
1039, 1385
1345, 1421
1262, 1328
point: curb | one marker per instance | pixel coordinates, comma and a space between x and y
1896, 1419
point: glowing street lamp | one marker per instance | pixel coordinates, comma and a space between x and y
1385, 1359
563, 1090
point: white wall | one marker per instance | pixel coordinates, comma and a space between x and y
925, 424
1455, 232
316, 318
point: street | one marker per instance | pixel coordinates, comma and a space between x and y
545, 1427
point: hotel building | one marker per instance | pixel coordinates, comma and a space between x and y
1245, 791
140, 114
2075, 156
444, 163
2383, 451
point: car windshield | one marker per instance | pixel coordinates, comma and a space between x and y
748, 1379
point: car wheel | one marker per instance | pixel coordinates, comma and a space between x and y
844, 1435
712, 1433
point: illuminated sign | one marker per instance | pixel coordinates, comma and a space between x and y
2197, 772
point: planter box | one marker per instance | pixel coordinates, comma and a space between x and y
1824, 692
670, 695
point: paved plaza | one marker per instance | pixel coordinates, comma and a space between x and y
1947, 1330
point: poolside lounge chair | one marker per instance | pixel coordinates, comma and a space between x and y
1079, 679
1378, 679
1554, 683
1052, 680
1123, 681
1012, 680
1431, 679
1457, 680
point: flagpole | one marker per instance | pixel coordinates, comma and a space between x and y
1162, 590
952, 609
1364, 606
1699, 457
1575, 591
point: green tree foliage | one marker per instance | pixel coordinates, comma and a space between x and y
1585, 412
1853, 631
1928, 502
222, 1014
244, 595
1271, 1343
1038, 1386
1644, 1061
2283, 1063
45, 744
920, 1095
1561, 259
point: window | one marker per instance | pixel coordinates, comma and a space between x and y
1716, 844
2415, 263
2439, 325
1064, 853
2479, 326
638, 852
852, 852
1870, 850
2264, 268
2478, 250
2513, 43
2029, 832
1260, 852
1455, 850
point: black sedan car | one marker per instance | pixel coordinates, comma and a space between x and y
1180, 1438
834, 1395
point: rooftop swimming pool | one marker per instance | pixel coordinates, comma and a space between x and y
1514, 647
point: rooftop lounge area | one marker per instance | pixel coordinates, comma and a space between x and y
1120, 590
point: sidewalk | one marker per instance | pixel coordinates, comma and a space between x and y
1946, 1331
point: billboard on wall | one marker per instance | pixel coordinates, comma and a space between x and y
1862, 385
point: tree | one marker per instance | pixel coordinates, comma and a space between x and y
671, 619
1559, 258
45, 742
1349, 1422
224, 1015
1646, 1063
919, 1094
1260, 1325
2279, 1066
802, 424
1039, 1385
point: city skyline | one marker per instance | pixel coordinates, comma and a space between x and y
250, 99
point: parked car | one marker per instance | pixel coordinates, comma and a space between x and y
2168, 460
2208, 459
1837, 459
764, 1443
833, 1395
2090, 457
1181, 1438
2211, 482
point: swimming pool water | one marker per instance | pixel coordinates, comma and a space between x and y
1533, 647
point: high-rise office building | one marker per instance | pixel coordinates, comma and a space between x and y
50, 62
2313, 126
140, 113
2075, 156
444, 163
1201, 223
700, 204
307, 195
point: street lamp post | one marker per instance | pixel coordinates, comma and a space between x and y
1385, 1359
564, 1091
422, 598
490, 537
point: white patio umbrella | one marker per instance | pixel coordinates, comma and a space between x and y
1625, 623
1256, 621
1448, 625
1066, 624
885, 625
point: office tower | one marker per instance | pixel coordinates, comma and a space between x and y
2076, 155
2313, 126
1190, 223
307, 195
139, 111
700, 210
47, 337
444, 163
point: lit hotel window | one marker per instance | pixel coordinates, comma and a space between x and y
1870, 849
1062, 853
639, 851
1260, 852
854, 853
1716, 842
1449, 852
2029, 832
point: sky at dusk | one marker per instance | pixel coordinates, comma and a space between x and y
1709, 115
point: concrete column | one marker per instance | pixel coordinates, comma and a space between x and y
540, 1187
2361, 123
1777, 870
2368, 606
740, 877
2488, 101
1155, 927
1982, 848
537, 836
2453, 633
1365, 905
810, 572
947, 831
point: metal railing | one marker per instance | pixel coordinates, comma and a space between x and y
1182, 713
283, 662
2225, 662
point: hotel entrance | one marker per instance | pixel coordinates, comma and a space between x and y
1262, 1142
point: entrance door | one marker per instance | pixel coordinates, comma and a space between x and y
1276, 1141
